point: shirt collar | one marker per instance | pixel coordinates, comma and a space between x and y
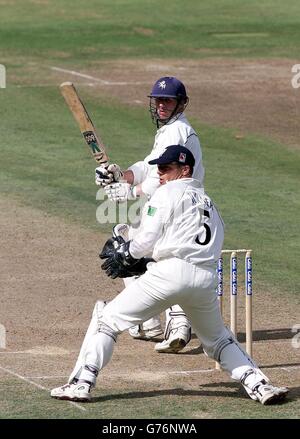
174, 118
192, 181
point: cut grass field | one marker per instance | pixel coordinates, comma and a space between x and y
253, 180
45, 166
163, 402
131, 28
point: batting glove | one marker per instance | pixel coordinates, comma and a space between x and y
105, 175
120, 192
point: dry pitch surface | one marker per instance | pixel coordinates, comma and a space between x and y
50, 271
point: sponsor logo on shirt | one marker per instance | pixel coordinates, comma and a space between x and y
151, 211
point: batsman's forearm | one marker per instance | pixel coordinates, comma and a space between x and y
139, 191
128, 176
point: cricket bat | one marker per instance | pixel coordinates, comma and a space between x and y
94, 142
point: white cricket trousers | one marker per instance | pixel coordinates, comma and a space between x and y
178, 320
165, 283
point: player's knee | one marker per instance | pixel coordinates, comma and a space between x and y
105, 329
110, 323
99, 314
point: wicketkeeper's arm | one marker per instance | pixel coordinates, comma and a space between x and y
151, 229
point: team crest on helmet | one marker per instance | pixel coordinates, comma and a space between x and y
182, 157
162, 85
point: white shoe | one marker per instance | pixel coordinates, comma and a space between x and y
177, 340
145, 334
73, 392
268, 394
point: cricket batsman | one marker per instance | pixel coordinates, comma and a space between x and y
168, 100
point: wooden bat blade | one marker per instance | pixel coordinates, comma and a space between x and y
96, 146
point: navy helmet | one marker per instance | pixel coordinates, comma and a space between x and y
168, 87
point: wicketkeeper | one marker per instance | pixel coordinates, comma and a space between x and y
183, 231
168, 100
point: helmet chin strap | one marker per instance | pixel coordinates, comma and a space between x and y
160, 122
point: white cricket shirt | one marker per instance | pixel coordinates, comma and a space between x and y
178, 132
180, 221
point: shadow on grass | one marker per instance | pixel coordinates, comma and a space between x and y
268, 334
283, 365
234, 390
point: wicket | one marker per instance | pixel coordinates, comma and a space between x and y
234, 292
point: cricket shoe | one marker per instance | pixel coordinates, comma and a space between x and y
268, 394
79, 392
177, 340
141, 333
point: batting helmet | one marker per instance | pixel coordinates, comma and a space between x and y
168, 87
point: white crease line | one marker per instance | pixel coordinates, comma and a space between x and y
23, 378
82, 75
188, 372
32, 85
102, 81
47, 377
14, 352
287, 341
290, 368
36, 353
37, 385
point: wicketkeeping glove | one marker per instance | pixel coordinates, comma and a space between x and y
105, 175
119, 237
109, 248
121, 264
120, 192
